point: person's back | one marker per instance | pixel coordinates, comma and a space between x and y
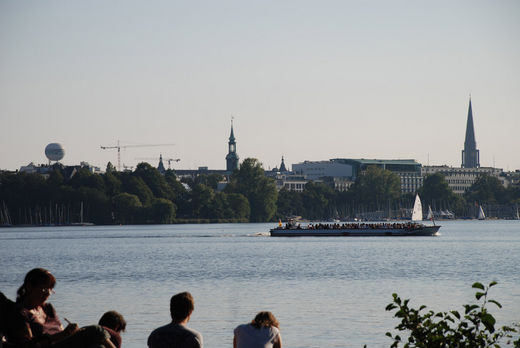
262, 332
177, 334
174, 335
248, 336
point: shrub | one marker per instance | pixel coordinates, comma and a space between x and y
474, 328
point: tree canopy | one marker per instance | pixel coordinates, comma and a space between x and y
250, 181
147, 196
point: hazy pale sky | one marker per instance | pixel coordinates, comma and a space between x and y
309, 80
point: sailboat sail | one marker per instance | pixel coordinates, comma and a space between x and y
430, 213
481, 215
417, 209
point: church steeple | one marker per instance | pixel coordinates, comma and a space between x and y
160, 167
282, 169
470, 154
232, 156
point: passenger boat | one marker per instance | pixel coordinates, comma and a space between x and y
358, 229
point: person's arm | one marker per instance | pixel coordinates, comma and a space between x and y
278, 343
108, 343
69, 330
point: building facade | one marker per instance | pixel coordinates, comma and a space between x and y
460, 179
344, 171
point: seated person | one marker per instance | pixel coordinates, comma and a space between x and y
262, 332
42, 327
177, 334
114, 323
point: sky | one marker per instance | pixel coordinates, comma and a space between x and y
307, 80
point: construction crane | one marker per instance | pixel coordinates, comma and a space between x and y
119, 147
169, 160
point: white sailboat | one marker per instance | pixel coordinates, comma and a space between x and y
417, 209
430, 213
481, 215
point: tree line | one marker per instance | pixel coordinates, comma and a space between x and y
145, 196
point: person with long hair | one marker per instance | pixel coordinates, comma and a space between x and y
262, 332
43, 328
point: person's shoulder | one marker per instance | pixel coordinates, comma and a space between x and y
275, 330
156, 336
244, 326
161, 329
189, 332
170, 333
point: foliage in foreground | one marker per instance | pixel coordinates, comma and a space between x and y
474, 328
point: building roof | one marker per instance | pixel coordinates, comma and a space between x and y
377, 161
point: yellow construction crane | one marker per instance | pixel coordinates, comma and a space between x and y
119, 147
160, 158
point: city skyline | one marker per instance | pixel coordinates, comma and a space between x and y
302, 80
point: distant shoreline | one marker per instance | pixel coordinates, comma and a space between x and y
234, 221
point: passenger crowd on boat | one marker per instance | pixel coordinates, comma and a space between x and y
32, 322
357, 226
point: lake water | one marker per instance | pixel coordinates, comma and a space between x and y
326, 292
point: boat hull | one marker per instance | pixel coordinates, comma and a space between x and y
356, 232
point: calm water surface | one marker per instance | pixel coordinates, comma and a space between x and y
326, 292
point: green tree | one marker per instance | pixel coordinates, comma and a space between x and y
318, 201
376, 186
210, 180
180, 194
161, 211
126, 208
289, 203
85, 178
112, 183
486, 189
96, 205
201, 201
133, 184
239, 206
110, 168
435, 187
154, 180
436, 193
250, 181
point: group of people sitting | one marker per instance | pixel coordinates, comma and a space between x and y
362, 226
32, 322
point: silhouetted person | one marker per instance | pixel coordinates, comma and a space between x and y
42, 327
177, 334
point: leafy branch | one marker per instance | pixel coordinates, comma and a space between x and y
474, 328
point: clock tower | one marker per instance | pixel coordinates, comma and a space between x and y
232, 157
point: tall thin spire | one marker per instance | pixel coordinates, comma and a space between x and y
232, 136
470, 154
232, 156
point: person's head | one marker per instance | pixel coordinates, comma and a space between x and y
37, 286
181, 306
265, 319
113, 320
